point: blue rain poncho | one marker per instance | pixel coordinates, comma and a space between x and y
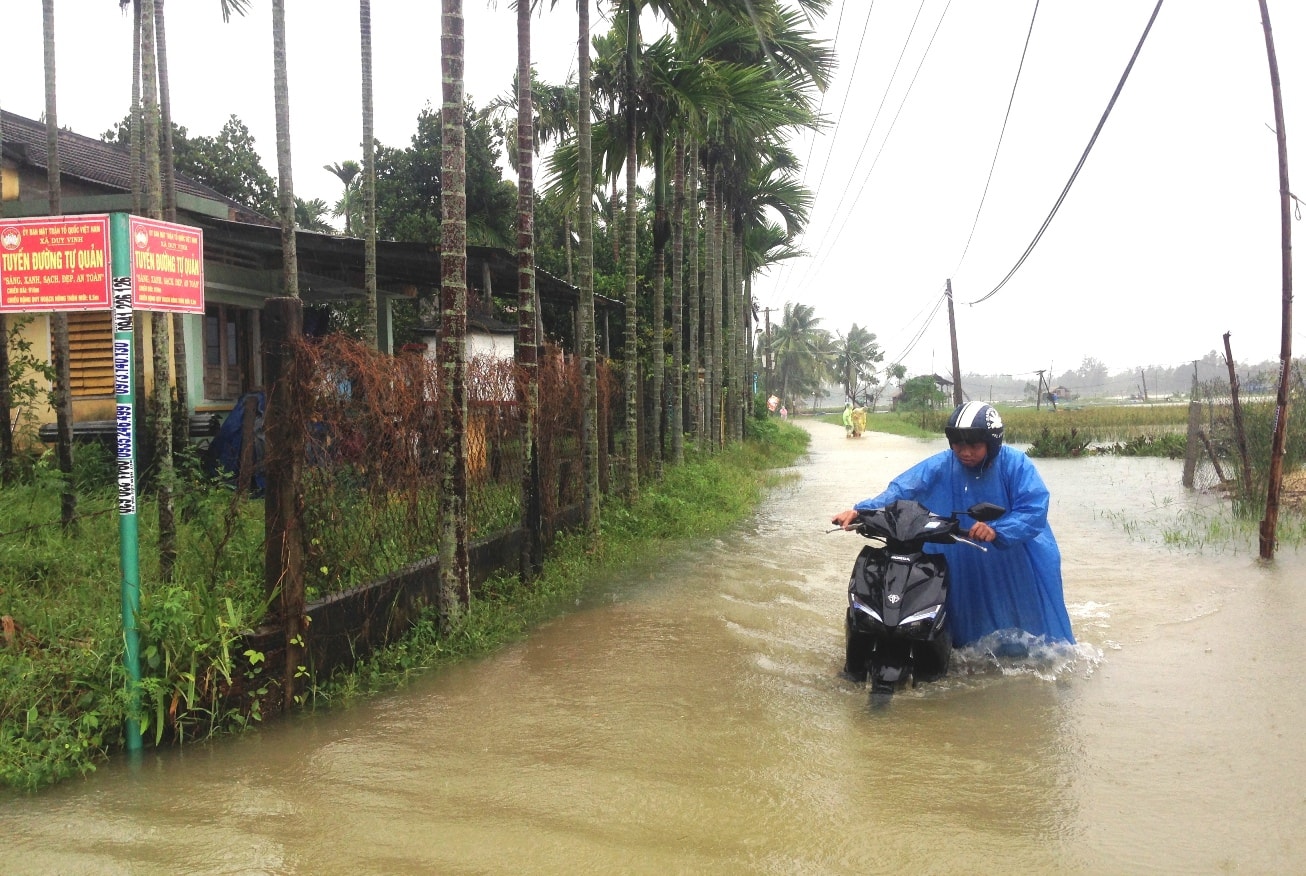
1016, 584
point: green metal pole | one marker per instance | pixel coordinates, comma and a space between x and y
128, 533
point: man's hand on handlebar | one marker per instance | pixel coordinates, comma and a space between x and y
981, 532
845, 518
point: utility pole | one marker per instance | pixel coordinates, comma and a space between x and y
956, 364
766, 313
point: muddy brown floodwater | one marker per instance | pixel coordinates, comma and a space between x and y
687, 717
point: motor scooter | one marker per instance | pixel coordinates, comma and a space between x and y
896, 628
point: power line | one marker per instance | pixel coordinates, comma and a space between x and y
911, 345
833, 239
783, 278
1001, 134
1089, 148
874, 120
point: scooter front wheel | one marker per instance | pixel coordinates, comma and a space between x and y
881, 694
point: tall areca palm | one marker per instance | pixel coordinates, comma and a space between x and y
585, 221
160, 323
528, 388
63, 397
455, 590
630, 350
775, 63
181, 403
347, 172
285, 175
370, 317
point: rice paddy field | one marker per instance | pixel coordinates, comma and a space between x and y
1024, 425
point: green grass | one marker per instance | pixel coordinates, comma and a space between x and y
63, 701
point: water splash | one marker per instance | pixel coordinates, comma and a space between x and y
1014, 652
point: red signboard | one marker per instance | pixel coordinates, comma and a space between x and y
167, 266
54, 263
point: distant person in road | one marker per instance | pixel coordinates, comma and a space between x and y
848, 419
859, 421
1016, 587
784, 412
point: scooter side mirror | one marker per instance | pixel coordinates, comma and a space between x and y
985, 511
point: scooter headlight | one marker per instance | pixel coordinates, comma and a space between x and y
921, 624
928, 614
859, 606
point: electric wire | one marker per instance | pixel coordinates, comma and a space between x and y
783, 277
920, 333
1083, 158
998, 148
874, 120
833, 239
852, 76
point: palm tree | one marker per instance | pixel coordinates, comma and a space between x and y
630, 350
528, 388
773, 63
798, 348
454, 590
370, 317
585, 221
63, 396
285, 176
181, 403
160, 323
856, 355
311, 215
347, 172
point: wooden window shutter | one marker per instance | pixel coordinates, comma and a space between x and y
90, 360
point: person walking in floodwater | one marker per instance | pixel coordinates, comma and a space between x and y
848, 419
1015, 588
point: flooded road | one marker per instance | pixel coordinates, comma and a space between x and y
688, 718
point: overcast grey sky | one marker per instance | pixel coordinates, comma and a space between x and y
1169, 237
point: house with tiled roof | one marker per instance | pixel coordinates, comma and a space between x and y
242, 269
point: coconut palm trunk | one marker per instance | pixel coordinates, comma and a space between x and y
160, 323
285, 176
630, 352
659, 364
138, 196
371, 315
63, 396
180, 402
743, 367
711, 307
676, 391
695, 308
528, 387
454, 589
585, 220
